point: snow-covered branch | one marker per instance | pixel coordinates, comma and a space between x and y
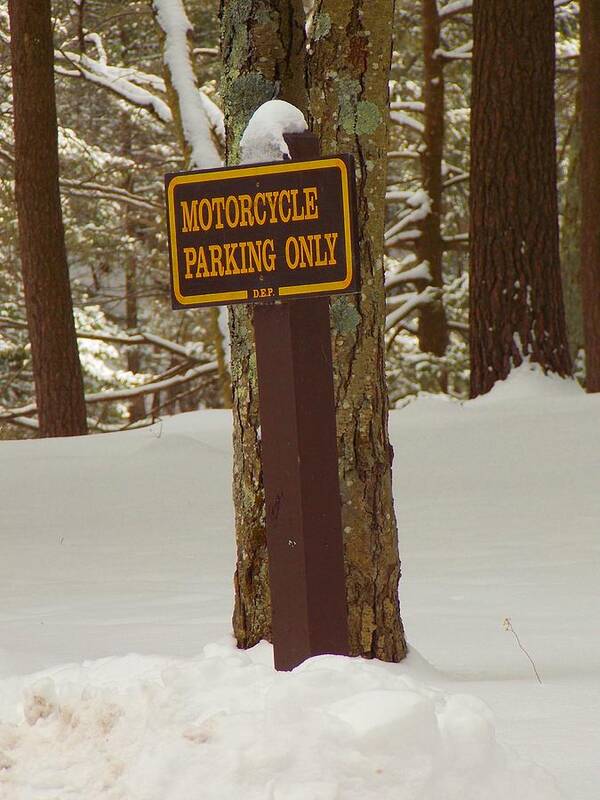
205, 51
134, 339
400, 118
461, 178
83, 188
122, 394
464, 52
6, 156
419, 273
123, 82
419, 207
456, 242
410, 303
454, 8
151, 388
409, 235
403, 154
197, 118
408, 105
102, 192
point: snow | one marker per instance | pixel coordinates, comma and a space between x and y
226, 722
119, 679
224, 329
263, 138
197, 113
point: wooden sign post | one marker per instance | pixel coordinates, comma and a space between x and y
288, 233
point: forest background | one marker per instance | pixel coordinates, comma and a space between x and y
118, 135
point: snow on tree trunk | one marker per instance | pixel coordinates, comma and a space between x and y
262, 45
348, 69
56, 367
590, 188
516, 306
433, 330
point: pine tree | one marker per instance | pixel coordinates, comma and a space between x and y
570, 238
433, 330
516, 307
56, 367
590, 188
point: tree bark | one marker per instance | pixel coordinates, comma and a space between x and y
433, 330
516, 306
348, 69
570, 240
56, 367
590, 188
137, 407
262, 45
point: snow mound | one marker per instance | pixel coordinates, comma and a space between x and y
263, 138
529, 380
225, 725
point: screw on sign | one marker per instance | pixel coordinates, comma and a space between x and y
271, 234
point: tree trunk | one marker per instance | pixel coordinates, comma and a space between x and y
590, 188
262, 44
175, 101
516, 306
433, 330
348, 69
56, 367
223, 369
137, 406
570, 240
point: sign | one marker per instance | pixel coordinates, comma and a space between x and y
263, 232
257, 234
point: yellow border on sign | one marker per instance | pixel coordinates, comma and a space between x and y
241, 172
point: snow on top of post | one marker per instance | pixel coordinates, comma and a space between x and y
263, 138
173, 20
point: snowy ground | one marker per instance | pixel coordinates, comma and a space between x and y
115, 589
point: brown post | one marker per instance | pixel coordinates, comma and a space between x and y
300, 467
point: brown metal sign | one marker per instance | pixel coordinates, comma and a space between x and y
263, 232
